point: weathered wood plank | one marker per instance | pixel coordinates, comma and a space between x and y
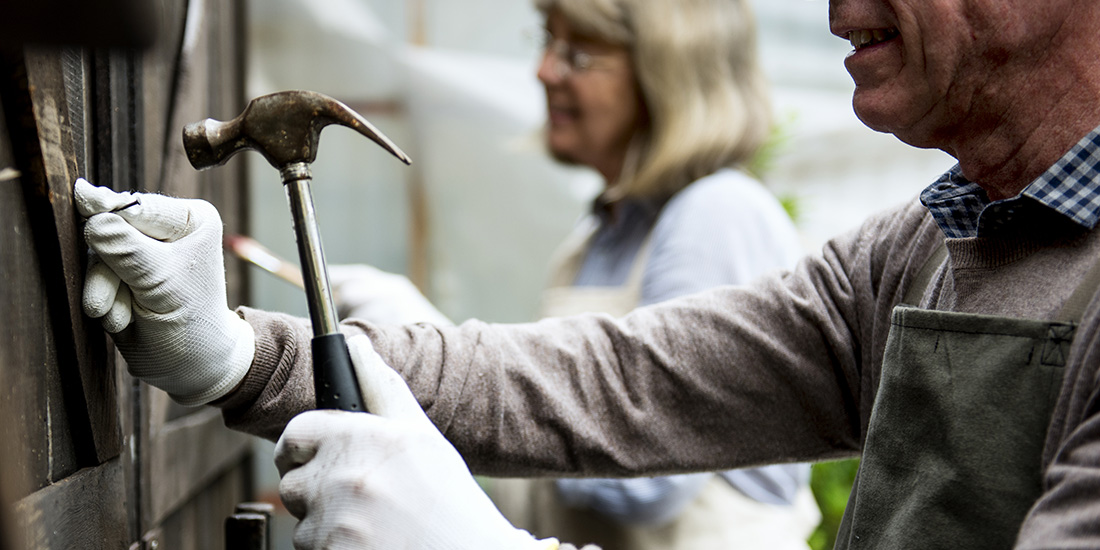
82, 356
198, 524
25, 348
162, 74
34, 353
85, 510
183, 456
233, 37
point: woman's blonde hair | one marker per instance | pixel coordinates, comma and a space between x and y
704, 92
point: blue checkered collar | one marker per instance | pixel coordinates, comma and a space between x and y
1071, 187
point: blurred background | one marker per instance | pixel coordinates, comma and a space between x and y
474, 220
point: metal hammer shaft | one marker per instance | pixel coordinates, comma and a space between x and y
334, 378
322, 309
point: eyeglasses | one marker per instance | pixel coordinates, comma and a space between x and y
570, 59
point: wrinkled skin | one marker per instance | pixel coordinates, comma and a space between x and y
1005, 86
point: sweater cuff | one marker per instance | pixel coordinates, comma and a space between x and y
265, 361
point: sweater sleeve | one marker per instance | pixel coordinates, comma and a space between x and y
780, 371
1065, 515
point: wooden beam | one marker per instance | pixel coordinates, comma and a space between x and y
85, 510
81, 346
177, 467
418, 26
36, 96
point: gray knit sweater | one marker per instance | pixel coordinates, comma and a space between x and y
782, 371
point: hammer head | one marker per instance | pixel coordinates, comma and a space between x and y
284, 127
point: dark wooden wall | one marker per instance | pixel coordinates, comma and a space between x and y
91, 457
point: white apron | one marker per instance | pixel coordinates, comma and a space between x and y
720, 517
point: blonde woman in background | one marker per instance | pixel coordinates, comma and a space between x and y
665, 99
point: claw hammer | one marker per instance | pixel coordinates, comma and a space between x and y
285, 128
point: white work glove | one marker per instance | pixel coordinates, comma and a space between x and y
368, 293
386, 479
157, 281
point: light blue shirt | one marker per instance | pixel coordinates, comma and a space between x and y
722, 229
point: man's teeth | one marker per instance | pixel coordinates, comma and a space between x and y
866, 37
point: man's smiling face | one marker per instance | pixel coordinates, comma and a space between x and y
923, 67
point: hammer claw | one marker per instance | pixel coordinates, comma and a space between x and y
284, 127
351, 119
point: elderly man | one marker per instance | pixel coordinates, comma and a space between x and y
951, 342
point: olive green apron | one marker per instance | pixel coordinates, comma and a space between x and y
720, 517
952, 456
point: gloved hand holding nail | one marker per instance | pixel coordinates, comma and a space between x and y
157, 281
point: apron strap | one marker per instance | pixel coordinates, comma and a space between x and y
568, 257
916, 290
641, 261
1074, 308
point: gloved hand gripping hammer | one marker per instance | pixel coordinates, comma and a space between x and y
285, 128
